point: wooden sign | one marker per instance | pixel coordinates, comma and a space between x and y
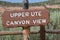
25, 18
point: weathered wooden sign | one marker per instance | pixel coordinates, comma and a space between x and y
25, 18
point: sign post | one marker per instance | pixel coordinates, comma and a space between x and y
26, 33
26, 30
42, 32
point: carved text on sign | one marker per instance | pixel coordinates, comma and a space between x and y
24, 18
